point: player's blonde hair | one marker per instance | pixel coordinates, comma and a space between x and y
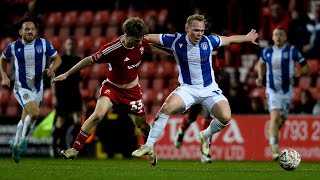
197, 17
135, 27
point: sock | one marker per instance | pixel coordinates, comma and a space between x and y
27, 126
157, 128
215, 126
81, 139
18, 133
273, 140
185, 124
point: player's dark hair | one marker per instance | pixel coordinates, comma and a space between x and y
26, 19
135, 27
281, 28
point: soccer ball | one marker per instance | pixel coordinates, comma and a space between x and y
289, 159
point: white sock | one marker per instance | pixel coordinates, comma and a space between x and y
273, 140
27, 126
215, 126
157, 128
18, 133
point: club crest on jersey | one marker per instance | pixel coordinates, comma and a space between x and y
285, 55
39, 49
141, 50
25, 96
204, 45
107, 91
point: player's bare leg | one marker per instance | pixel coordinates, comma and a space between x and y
144, 128
103, 106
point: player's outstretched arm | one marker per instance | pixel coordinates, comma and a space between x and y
153, 38
87, 61
250, 37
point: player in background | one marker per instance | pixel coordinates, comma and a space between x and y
123, 56
29, 54
278, 63
193, 55
67, 99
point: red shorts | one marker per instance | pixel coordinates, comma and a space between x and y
130, 99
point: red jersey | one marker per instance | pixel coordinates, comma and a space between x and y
123, 62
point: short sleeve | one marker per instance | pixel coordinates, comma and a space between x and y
7, 53
215, 40
168, 39
50, 50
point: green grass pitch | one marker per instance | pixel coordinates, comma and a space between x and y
58, 169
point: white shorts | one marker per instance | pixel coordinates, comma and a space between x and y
207, 96
278, 100
24, 96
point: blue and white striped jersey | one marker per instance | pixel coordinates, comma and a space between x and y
29, 62
281, 66
194, 61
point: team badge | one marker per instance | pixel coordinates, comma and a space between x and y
25, 96
107, 91
204, 45
39, 49
141, 50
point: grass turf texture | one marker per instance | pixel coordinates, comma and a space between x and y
46, 168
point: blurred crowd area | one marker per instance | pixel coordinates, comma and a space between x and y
95, 22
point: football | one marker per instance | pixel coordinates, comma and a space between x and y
289, 159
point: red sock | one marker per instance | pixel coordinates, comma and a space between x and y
206, 122
185, 124
81, 139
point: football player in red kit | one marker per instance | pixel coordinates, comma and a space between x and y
123, 56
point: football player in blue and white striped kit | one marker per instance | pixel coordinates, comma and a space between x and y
193, 54
29, 61
278, 62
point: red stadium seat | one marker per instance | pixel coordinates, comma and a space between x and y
70, 18
98, 43
54, 19
96, 31
101, 18
84, 43
111, 33
162, 16
98, 71
304, 82
160, 96
144, 83
11, 111
48, 32
157, 84
64, 33
315, 92
147, 69
314, 65
4, 42
155, 109
147, 96
173, 84
85, 18
117, 17
47, 98
79, 32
